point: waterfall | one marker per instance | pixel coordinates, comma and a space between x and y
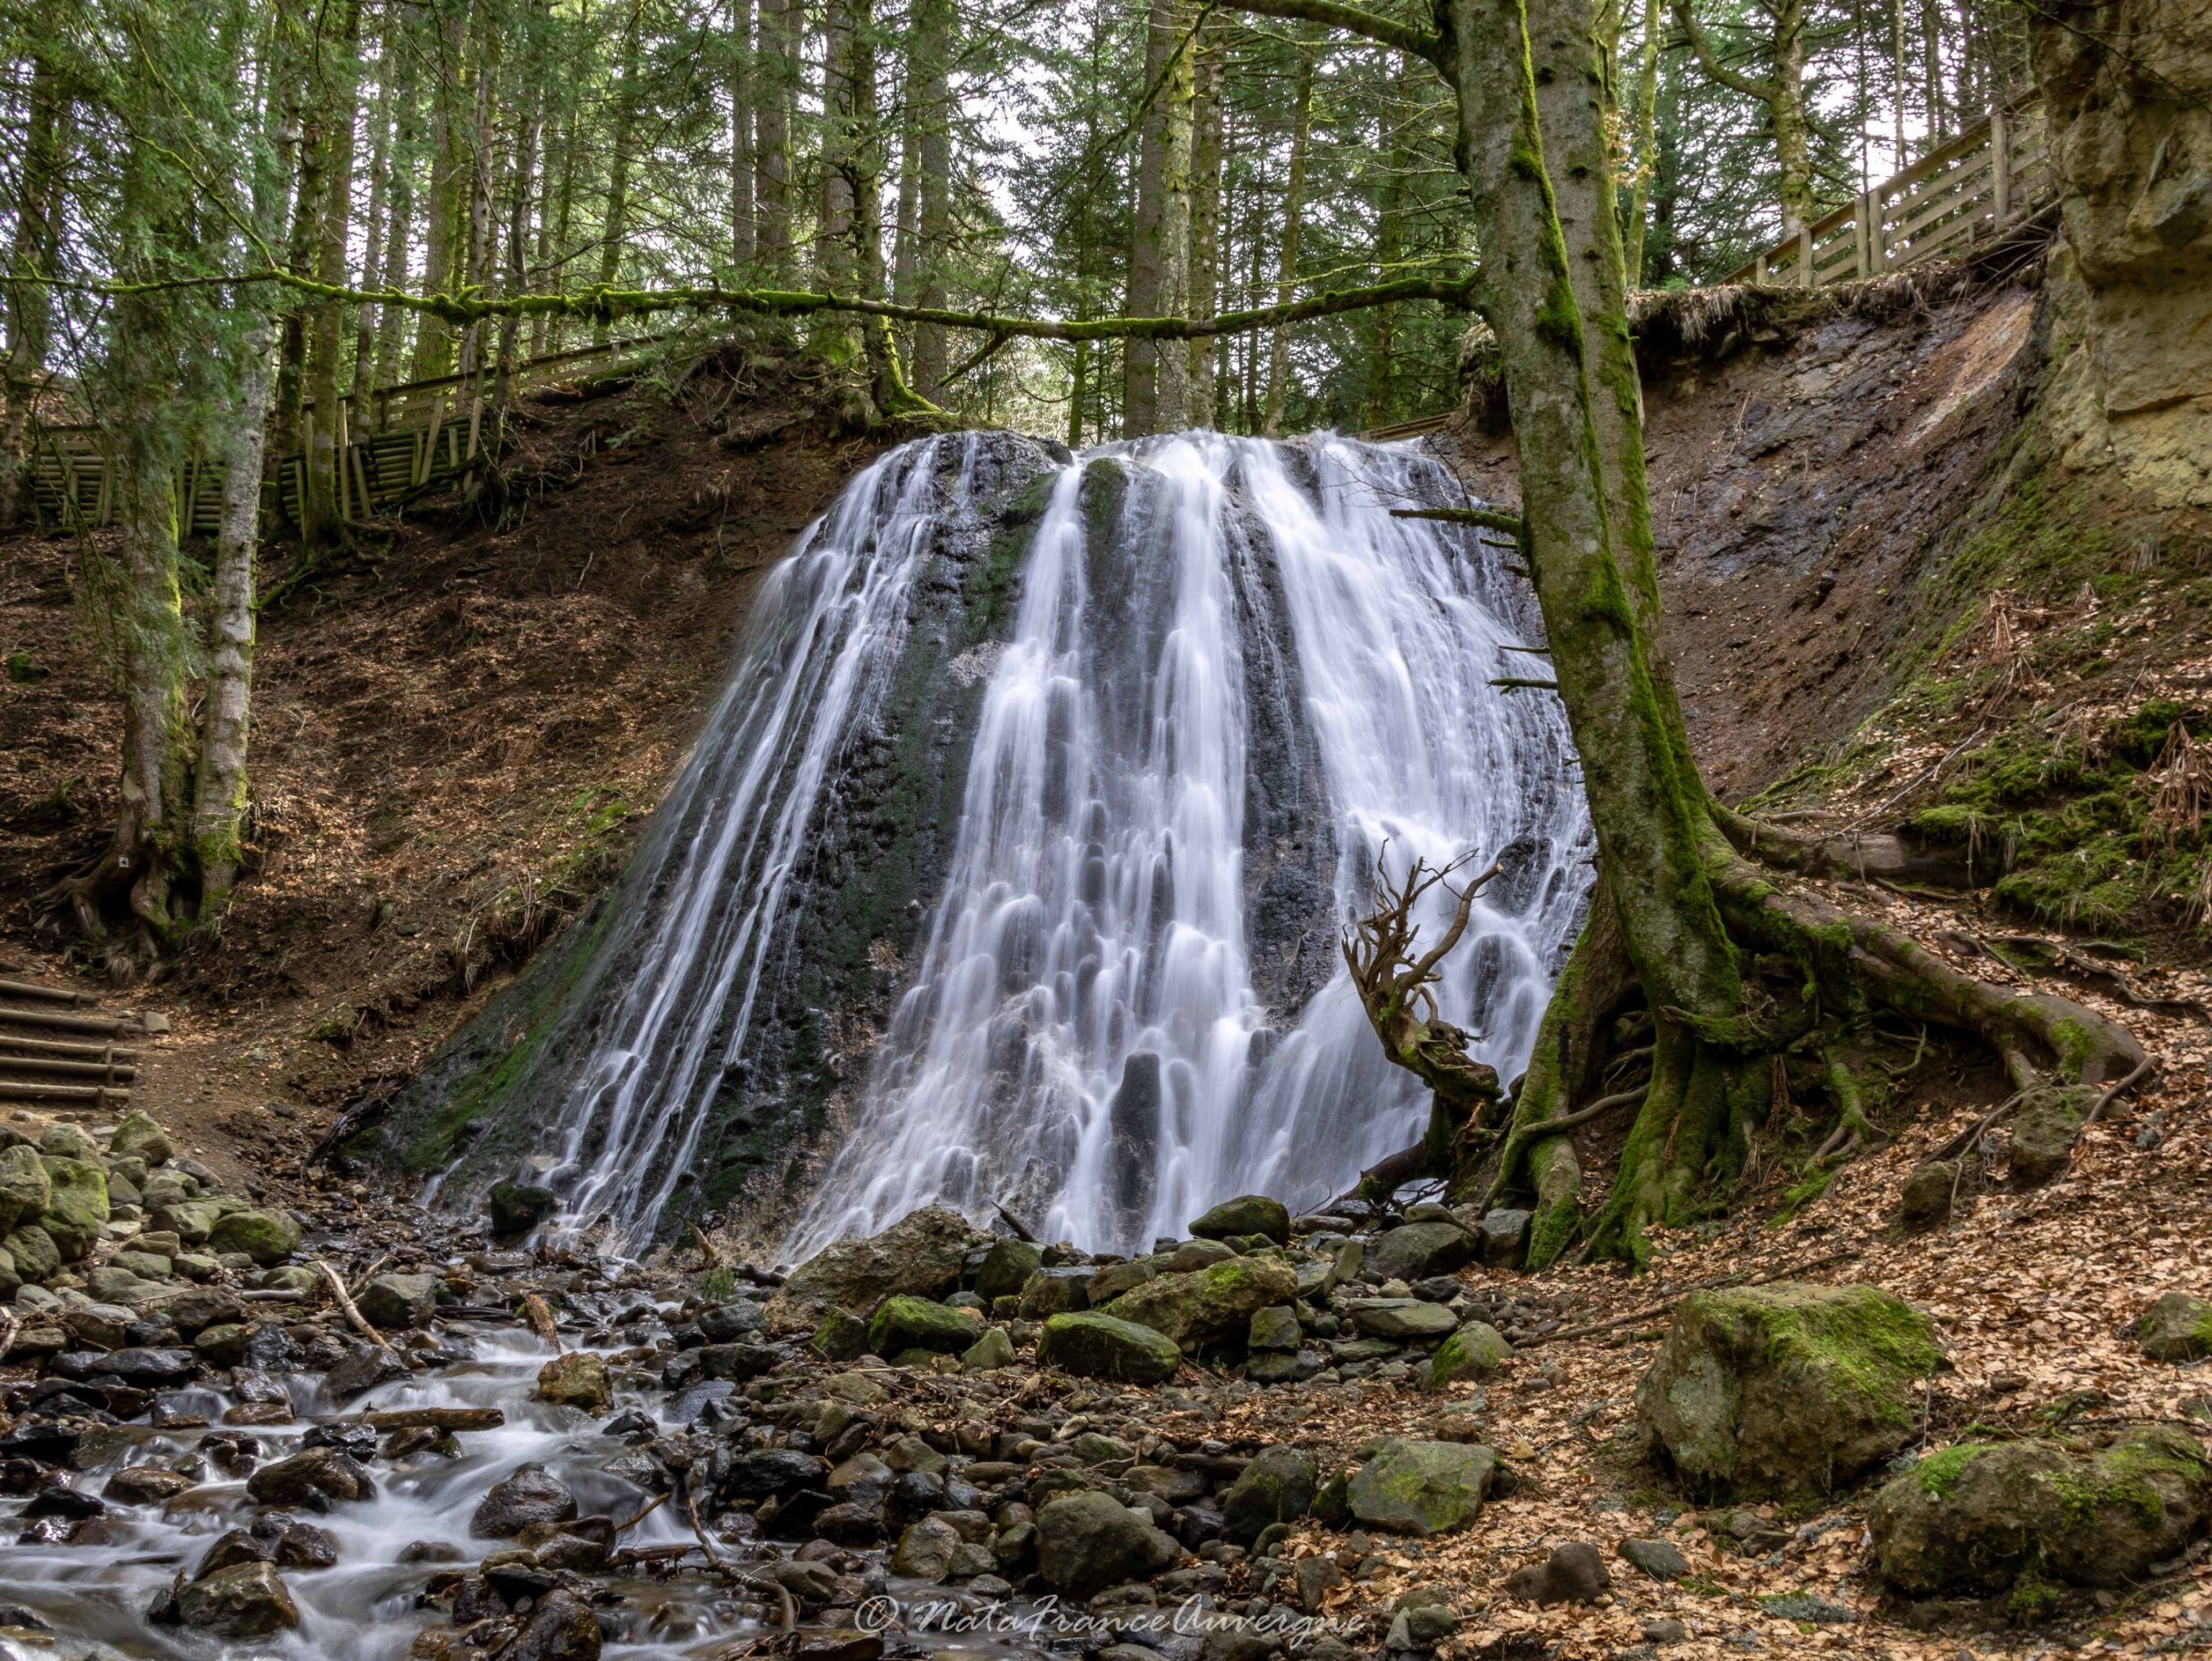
1175, 702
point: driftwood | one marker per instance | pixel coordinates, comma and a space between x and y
355, 1319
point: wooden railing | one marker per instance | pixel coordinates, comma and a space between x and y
419, 432
1975, 187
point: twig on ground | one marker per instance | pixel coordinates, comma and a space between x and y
355, 1319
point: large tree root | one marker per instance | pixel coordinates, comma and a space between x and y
1722, 1098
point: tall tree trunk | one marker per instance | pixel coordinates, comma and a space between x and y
1209, 112
341, 66
1380, 407
743, 230
777, 76
1286, 268
446, 212
313, 92
219, 791
374, 245
554, 233
835, 335
483, 176
615, 220
931, 135
39, 176
1783, 95
399, 220
1645, 156
1157, 381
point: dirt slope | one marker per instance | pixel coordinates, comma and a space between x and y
455, 732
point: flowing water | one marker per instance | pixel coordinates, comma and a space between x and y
1212, 708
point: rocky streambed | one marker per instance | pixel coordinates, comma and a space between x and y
233, 1428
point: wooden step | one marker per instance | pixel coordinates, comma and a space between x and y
46, 994
14, 1044
90, 1095
105, 1025
44, 1066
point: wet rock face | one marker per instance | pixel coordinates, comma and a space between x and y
246, 1601
1785, 1392
530, 1496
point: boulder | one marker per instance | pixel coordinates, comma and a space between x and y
76, 1204
312, 1479
1504, 1236
2176, 1327
1250, 1214
1401, 1318
191, 1221
925, 1550
1111, 1282
138, 1137
920, 1255
842, 1335
1786, 1392
724, 1323
25, 1188
907, 1322
1573, 1573
1087, 1542
2043, 1132
1475, 1351
989, 1352
11, 1282
267, 1236
1209, 1306
1982, 1517
517, 1207
1055, 1290
1275, 1326
1094, 1346
68, 1142
1278, 1486
1422, 1488
1414, 1251
766, 1473
391, 1301
194, 1311
144, 1485
561, 1629
33, 1253
1926, 1199
531, 1495
245, 1601
1006, 1267
577, 1379
1660, 1558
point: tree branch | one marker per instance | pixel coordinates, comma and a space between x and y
1735, 80
1425, 43
1480, 518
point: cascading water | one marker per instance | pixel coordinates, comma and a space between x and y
1083, 1038
1011, 866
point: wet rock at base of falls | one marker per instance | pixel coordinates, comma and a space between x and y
1090, 1540
1422, 1488
922, 1255
926, 1551
1413, 1251
144, 1485
531, 1494
391, 1301
771, 1473
315, 1478
562, 1627
1276, 1487
246, 1601
1056, 1289
1250, 1214
193, 1311
1504, 1236
1986, 1516
725, 1323
275, 1538
907, 1322
1091, 1345
1007, 1267
440, 1419
1574, 1572
1475, 1351
1209, 1306
267, 1236
1398, 1319
2176, 1327
517, 1207
1788, 1391
579, 1380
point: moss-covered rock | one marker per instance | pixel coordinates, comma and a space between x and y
842, 1335
139, 1137
191, 1221
1414, 1251
1422, 1488
1006, 1267
2176, 1327
1249, 1213
1097, 1346
76, 1204
1475, 1351
1983, 1518
2043, 1132
579, 1380
904, 1323
1209, 1306
518, 1207
267, 1236
920, 1255
1276, 1487
25, 1188
1785, 1392
33, 1252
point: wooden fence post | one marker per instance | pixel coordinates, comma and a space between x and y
2000, 164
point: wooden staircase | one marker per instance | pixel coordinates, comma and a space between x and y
55, 1055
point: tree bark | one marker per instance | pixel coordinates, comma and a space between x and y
934, 26
1209, 112
777, 76
38, 203
1379, 407
744, 229
1286, 269
373, 242
615, 221
341, 66
1783, 95
1645, 156
445, 212
1157, 383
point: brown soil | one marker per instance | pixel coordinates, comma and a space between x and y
456, 730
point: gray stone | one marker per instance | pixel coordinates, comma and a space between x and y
1422, 1488
920, 1255
531, 1494
1006, 1267
925, 1550
1211, 1305
398, 1300
1474, 1351
1250, 1213
244, 1602
1413, 1251
1574, 1573
1276, 1487
1092, 1345
1087, 1542
1402, 1318
2176, 1327
1504, 1234
1660, 1558
1275, 1326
